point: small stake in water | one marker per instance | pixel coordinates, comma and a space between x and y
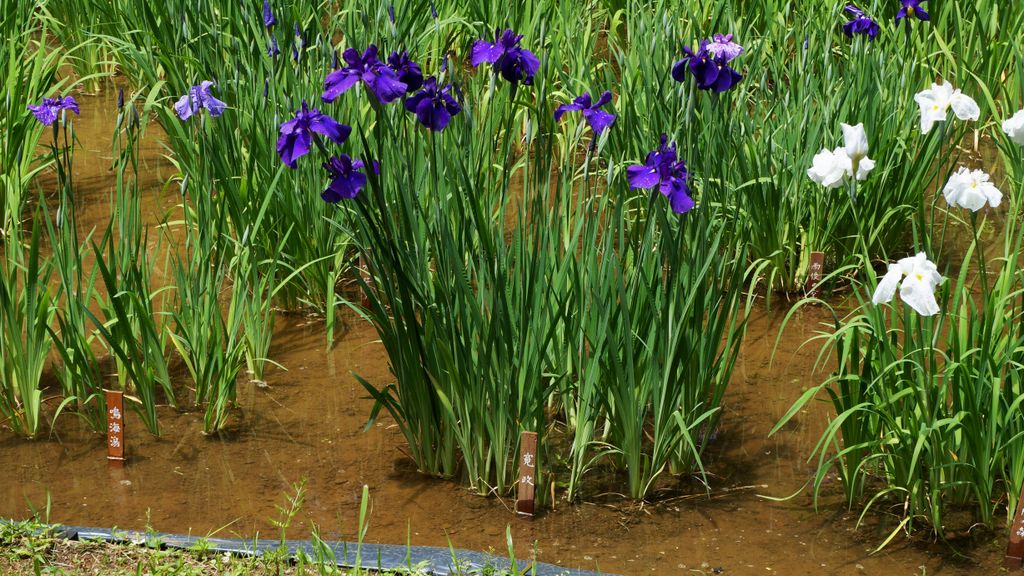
527, 473
815, 269
1015, 550
115, 426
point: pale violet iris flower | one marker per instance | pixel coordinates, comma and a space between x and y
917, 278
1014, 128
971, 189
832, 168
936, 101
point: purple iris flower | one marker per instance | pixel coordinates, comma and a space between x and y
273, 50
912, 8
662, 169
514, 63
434, 107
723, 47
47, 111
368, 69
346, 178
860, 24
710, 70
199, 97
597, 119
268, 15
433, 10
391, 12
298, 133
408, 72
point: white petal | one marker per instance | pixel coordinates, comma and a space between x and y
865, 166
855, 141
829, 168
887, 286
964, 106
919, 294
992, 194
1014, 128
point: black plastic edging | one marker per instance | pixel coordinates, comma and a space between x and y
381, 557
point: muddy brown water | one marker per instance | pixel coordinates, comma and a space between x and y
309, 424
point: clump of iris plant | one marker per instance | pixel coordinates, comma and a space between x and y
917, 278
912, 9
408, 72
709, 65
379, 79
664, 170
433, 106
515, 63
47, 111
597, 119
860, 24
299, 133
346, 179
198, 98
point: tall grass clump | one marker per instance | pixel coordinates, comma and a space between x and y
130, 322
28, 69
928, 403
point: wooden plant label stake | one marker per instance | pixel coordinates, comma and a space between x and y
816, 269
1015, 550
527, 473
115, 426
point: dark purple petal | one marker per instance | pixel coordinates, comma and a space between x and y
599, 120
432, 116
642, 176
605, 98
327, 126
679, 196
69, 103
346, 180
385, 85
561, 110
338, 82
409, 72
45, 114
485, 52
291, 147
679, 70
726, 79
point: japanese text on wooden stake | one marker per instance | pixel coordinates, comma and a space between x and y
1015, 550
815, 269
527, 473
115, 426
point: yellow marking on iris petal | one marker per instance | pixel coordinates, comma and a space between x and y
919, 277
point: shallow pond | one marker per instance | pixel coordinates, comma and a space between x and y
309, 424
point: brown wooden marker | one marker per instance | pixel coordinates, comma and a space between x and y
115, 426
527, 473
1014, 559
815, 269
